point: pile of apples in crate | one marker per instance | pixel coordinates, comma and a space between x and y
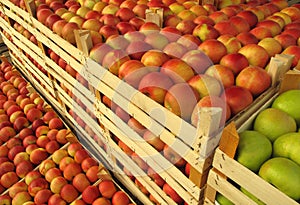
37, 163
238, 41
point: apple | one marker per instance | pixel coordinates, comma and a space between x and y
154, 58
172, 193
222, 73
6, 166
87, 163
136, 49
189, 41
292, 11
271, 45
91, 24
64, 162
80, 182
14, 151
110, 9
231, 43
37, 184
41, 130
256, 55
57, 183
273, 26
52, 146
260, 15
25, 132
293, 50
172, 33
42, 15
234, 61
52, 173
218, 16
136, 126
107, 188
17, 187
90, 194
21, 156
56, 199
68, 32
120, 198
247, 38
69, 193
80, 155
7, 132
20, 123
30, 148
238, 98
155, 85
285, 40
278, 20
51, 20
42, 196
214, 49
92, 174
176, 100
249, 16
205, 31
177, 70
98, 6
226, 27
30, 139
71, 170
57, 27
5, 199
261, 32
149, 27
38, 155
73, 147
21, 198
46, 165
61, 136
292, 31
175, 50
114, 59
24, 168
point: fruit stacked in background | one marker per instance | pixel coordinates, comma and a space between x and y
34, 167
271, 148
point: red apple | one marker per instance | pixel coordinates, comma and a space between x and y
120, 198
90, 194
234, 61
36, 185
214, 49
256, 55
205, 31
69, 193
222, 73
107, 188
238, 98
176, 100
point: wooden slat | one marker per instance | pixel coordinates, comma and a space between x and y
228, 190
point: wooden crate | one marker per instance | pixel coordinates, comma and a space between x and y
227, 170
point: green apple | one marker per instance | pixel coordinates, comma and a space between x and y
284, 174
253, 150
288, 145
273, 123
222, 200
289, 102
